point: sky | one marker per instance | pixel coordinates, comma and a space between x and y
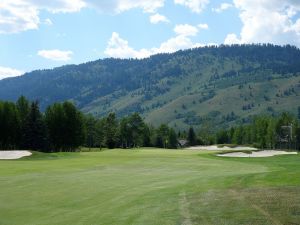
42, 34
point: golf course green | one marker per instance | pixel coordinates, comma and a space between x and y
149, 187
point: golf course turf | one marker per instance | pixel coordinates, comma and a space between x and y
149, 187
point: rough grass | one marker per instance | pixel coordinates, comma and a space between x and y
149, 186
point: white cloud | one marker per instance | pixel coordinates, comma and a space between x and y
224, 6
269, 21
203, 26
48, 22
22, 15
6, 72
196, 6
58, 6
118, 6
56, 55
157, 18
17, 16
186, 30
119, 48
231, 39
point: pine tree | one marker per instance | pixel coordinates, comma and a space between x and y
191, 136
66, 126
137, 127
125, 133
100, 126
9, 126
111, 131
23, 107
55, 120
173, 142
90, 125
74, 135
162, 136
34, 131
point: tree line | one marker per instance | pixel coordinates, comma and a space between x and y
62, 127
264, 132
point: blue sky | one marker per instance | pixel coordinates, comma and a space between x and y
38, 34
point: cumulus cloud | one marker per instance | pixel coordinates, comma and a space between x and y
117, 6
203, 26
22, 15
186, 30
268, 21
6, 72
16, 16
224, 6
56, 55
58, 6
196, 6
120, 48
48, 22
157, 18
232, 39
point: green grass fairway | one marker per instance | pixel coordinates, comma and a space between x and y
149, 187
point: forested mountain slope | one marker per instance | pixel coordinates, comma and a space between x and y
200, 87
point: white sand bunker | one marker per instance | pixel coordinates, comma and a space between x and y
14, 154
218, 148
264, 153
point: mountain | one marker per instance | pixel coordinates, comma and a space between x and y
209, 86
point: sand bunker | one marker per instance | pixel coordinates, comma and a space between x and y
14, 154
217, 148
265, 153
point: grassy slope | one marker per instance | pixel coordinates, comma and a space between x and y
231, 99
149, 187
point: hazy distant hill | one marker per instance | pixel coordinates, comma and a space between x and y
205, 86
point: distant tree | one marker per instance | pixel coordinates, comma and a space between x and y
90, 126
9, 126
261, 128
74, 127
237, 137
192, 137
222, 137
125, 133
162, 136
297, 133
66, 126
137, 127
34, 131
100, 126
285, 119
55, 119
271, 133
23, 107
172, 139
147, 136
111, 131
